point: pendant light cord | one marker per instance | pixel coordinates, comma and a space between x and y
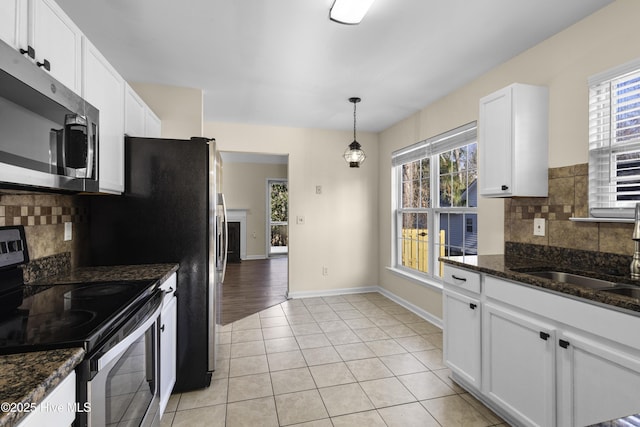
354, 121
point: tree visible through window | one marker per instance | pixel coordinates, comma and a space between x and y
278, 216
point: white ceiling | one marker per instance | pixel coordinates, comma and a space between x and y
283, 62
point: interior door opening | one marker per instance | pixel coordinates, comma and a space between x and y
259, 279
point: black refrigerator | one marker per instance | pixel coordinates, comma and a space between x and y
172, 210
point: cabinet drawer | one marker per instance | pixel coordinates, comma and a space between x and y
461, 278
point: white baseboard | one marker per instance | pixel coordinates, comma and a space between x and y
252, 257
333, 292
412, 307
401, 301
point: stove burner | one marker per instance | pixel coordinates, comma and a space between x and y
93, 291
47, 323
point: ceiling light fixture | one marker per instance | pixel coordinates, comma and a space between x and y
349, 12
354, 154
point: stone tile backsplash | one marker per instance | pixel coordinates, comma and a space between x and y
43, 216
568, 197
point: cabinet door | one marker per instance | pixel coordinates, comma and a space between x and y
596, 382
152, 124
134, 113
56, 39
168, 328
103, 87
519, 365
495, 143
55, 409
13, 14
461, 330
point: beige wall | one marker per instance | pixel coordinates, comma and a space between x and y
341, 224
245, 187
563, 63
179, 108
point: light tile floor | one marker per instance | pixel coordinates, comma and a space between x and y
351, 360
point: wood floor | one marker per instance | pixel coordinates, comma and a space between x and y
253, 285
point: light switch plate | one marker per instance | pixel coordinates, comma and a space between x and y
538, 227
67, 231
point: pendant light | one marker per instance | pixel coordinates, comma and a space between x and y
354, 154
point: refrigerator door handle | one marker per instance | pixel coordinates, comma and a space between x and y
225, 236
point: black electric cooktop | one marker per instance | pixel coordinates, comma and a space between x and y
73, 315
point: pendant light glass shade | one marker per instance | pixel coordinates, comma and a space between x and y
354, 154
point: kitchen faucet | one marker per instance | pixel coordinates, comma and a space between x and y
635, 263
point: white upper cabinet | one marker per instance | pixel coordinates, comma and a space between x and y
139, 119
134, 113
13, 22
103, 87
152, 124
57, 42
513, 142
41, 31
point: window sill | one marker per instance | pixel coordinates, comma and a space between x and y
592, 219
420, 280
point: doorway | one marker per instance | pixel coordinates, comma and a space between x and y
261, 278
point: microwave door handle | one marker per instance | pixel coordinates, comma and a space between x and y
92, 141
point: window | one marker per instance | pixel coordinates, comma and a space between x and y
614, 141
436, 200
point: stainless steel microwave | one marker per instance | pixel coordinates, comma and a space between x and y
48, 134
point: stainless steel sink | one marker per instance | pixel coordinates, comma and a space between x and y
575, 279
630, 291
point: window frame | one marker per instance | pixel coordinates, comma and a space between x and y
606, 199
431, 148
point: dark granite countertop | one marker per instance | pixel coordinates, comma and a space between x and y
514, 267
160, 272
112, 273
26, 378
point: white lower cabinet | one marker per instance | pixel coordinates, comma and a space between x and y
596, 381
57, 408
519, 365
462, 335
168, 341
546, 359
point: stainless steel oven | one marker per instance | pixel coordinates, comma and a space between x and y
119, 382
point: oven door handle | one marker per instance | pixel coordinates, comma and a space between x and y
130, 339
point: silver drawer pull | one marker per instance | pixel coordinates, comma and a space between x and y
459, 278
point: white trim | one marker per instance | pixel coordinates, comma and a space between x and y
416, 278
334, 292
240, 215
366, 289
252, 257
412, 307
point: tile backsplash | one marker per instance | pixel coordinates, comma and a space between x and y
43, 216
568, 197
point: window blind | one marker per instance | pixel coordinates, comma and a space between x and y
449, 140
614, 141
